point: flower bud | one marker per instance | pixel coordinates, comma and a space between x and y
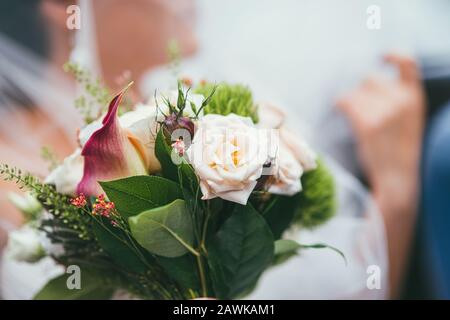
174, 122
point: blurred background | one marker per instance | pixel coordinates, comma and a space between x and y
302, 55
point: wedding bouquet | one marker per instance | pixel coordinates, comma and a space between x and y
186, 196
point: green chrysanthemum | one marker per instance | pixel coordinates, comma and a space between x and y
317, 201
229, 98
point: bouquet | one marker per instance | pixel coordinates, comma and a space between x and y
187, 196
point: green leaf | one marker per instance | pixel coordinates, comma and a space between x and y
166, 231
284, 249
284, 246
92, 288
187, 177
163, 153
136, 194
183, 270
324, 246
191, 192
116, 248
280, 214
240, 251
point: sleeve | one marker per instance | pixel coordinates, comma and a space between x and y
436, 204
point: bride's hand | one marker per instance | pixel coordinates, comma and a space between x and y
387, 117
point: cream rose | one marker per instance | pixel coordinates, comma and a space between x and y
228, 154
299, 148
287, 172
294, 155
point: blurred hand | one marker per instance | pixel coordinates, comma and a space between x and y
388, 120
387, 117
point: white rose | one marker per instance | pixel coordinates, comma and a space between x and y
228, 154
294, 155
67, 175
271, 116
24, 245
299, 148
287, 173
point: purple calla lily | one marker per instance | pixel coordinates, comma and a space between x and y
110, 153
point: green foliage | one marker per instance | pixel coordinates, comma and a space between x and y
73, 228
99, 97
192, 195
284, 249
317, 201
279, 212
174, 55
163, 153
228, 99
118, 247
48, 155
165, 231
240, 251
134, 195
68, 225
93, 287
55, 203
183, 270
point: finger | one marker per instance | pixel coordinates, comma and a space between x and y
349, 109
406, 65
350, 104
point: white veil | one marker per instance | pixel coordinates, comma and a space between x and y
44, 88
26, 77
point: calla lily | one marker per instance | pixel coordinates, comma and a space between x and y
111, 152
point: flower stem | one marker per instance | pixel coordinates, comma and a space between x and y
201, 272
205, 230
